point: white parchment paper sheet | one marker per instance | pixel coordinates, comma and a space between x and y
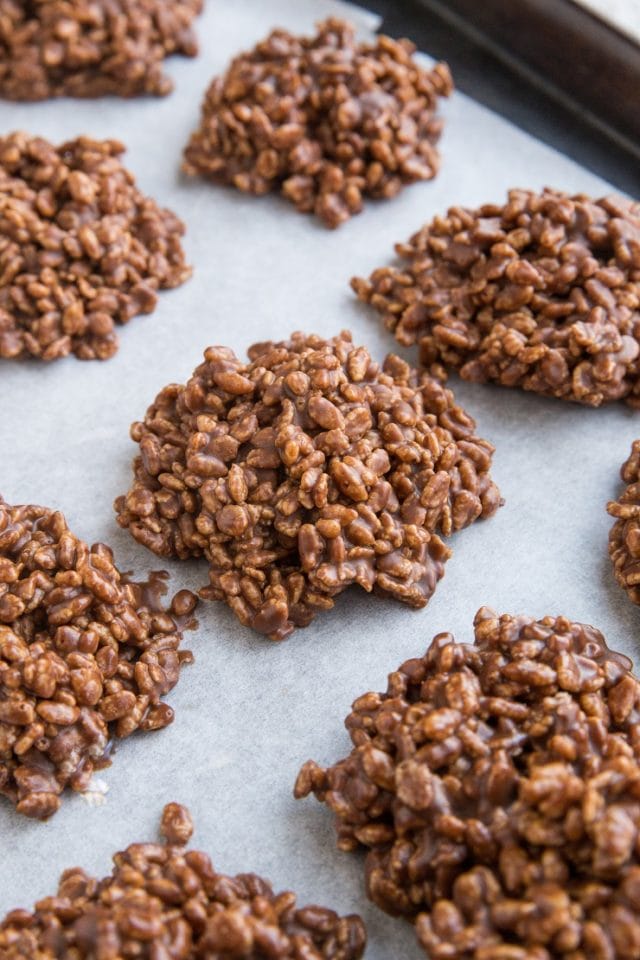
249, 712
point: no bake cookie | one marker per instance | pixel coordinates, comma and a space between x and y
86, 657
305, 470
496, 789
542, 292
326, 120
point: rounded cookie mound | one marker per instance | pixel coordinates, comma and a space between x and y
86, 656
162, 900
81, 249
497, 788
542, 293
624, 538
326, 120
303, 471
74, 48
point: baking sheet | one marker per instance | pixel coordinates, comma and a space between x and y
250, 712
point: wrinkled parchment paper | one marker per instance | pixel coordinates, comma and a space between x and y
249, 712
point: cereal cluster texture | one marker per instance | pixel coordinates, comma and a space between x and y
305, 470
165, 902
542, 293
496, 787
325, 120
624, 539
76, 48
86, 656
81, 248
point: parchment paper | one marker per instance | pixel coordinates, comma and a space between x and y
250, 712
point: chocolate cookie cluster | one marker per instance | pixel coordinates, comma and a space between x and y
164, 901
305, 470
326, 120
80, 248
86, 656
542, 293
75, 48
496, 787
624, 538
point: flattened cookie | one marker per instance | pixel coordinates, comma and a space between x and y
75, 48
305, 470
164, 901
86, 656
624, 538
496, 789
541, 293
325, 120
81, 248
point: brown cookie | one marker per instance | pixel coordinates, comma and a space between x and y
86, 656
304, 470
75, 48
164, 901
325, 120
624, 538
81, 248
496, 788
541, 293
